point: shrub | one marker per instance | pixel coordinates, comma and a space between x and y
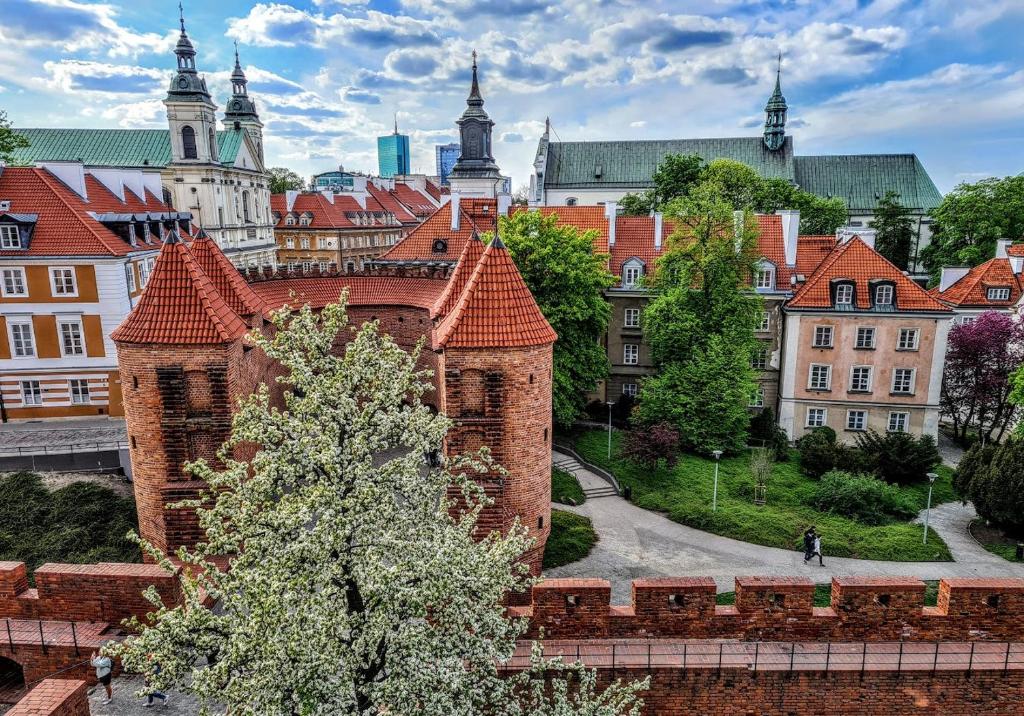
764, 431
899, 457
817, 451
648, 446
998, 490
622, 410
974, 463
862, 497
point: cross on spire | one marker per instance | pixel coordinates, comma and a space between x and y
236, 52
181, 17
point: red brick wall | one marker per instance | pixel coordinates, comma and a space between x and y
54, 697
780, 609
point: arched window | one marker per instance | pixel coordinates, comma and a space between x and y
245, 206
571, 201
213, 144
188, 143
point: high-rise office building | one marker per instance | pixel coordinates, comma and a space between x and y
393, 154
447, 155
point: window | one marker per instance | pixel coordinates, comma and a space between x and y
865, 337
820, 377
908, 339
883, 295
143, 274
757, 397
759, 361
856, 420
304, 243
630, 354
765, 278
963, 320
31, 393
289, 221
188, 143
245, 207
291, 265
632, 318
571, 201
631, 274
898, 422
21, 340
9, 238
129, 274
71, 338
816, 417
211, 139
766, 321
629, 389
823, 336
14, 282
860, 379
844, 294
323, 266
79, 391
303, 221
903, 380
289, 243
305, 266
999, 294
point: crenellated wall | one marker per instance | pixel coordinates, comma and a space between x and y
54, 697
780, 609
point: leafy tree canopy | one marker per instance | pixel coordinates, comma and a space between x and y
895, 227
283, 179
567, 279
10, 140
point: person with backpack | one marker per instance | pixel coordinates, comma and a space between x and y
104, 672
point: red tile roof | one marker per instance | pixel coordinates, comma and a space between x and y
811, 250
856, 261
229, 283
972, 289
496, 309
389, 202
180, 306
363, 291
585, 218
412, 200
471, 254
1015, 250
475, 214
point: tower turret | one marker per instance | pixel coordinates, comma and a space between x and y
475, 173
191, 112
241, 108
775, 114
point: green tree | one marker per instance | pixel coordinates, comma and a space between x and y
355, 586
998, 490
970, 220
895, 227
568, 280
10, 140
640, 204
675, 176
283, 179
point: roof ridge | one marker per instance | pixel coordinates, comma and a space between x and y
242, 294
42, 174
460, 277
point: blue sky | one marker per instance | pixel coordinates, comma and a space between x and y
942, 78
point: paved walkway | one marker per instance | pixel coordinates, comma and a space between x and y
54, 435
126, 702
635, 543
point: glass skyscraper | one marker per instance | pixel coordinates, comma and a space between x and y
447, 155
393, 154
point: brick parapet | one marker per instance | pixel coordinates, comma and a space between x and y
54, 697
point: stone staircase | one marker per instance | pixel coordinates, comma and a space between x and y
593, 486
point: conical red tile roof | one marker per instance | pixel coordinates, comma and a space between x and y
496, 309
470, 257
234, 289
180, 305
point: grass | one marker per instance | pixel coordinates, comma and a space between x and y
683, 494
565, 489
823, 595
80, 523
570, 540
994, 540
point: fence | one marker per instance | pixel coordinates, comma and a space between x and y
95, 456
785, 656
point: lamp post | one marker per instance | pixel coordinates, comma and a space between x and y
928, 509
714, 495
610, 404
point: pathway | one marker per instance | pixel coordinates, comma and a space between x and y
637, 543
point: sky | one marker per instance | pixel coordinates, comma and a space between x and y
941, 78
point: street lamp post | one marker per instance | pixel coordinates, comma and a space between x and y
610, 404
714, 495
928, 509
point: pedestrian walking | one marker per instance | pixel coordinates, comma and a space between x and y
154, 694
104, 668
817, 550
808, 544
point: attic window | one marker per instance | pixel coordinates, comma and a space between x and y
289, 220
9, 237
440, 246
883, 294
304, 220
844, 294
1001, 293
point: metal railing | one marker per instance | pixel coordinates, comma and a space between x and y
861, 657
62, 448
48, 634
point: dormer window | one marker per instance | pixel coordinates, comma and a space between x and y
632, 272
883, 294
844, 295
764, 278
289, 220
1000, 293
9, 237
304, 220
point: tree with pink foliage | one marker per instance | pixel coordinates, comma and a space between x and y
976, 382
650, 445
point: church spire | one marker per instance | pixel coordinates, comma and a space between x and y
474, 99
476, 159
241, 107
186, 85
775, 114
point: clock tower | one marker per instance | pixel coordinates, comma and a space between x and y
191, 113
475, 174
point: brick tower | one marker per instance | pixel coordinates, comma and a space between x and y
183, 365
497, 364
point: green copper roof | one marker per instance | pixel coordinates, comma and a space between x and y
632, 163
112, 147
862, 179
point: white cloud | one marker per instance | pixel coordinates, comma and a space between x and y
84, 76
638, 123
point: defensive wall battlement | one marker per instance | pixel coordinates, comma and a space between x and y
780, 609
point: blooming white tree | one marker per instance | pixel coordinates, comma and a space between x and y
355, 585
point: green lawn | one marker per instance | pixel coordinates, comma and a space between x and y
994, 540
571, 538
683, 494
823, 595
565, 488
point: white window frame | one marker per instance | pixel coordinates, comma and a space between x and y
632, 272
1000, 293
870, 345
304, 242
870, 378
7, 232
630, 354
129, 273
759, 361
831, 332
902, 345
77, 324
34, 395
26, 323
289, 243
17, 275
913, 380
757, 398
900, 417
810, 376
889, 294
631, 318
143, 274
77, 395
764, 278
822, 412
862, 414
629, 389
766, 322
845, 290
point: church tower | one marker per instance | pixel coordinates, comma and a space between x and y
475, 174
191, 113
241, 109
775, 115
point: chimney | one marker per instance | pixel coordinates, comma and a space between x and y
1001, 246
456, 210
1016, 264
845, 233
504, 204
611, 212
790, 233
658, 223
328, 194
950, 275
289, 199
737, 228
